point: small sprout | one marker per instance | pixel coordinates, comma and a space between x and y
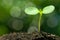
15, 11
34, 11
31, 11
48, 9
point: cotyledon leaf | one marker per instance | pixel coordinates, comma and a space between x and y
31, 11
48, 9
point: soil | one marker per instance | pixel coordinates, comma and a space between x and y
29, 36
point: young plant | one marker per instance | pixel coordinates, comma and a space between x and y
34, 11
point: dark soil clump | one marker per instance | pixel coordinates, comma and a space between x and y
29, 36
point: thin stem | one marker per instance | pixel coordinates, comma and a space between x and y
39, 22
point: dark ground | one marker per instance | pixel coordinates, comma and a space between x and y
29, 36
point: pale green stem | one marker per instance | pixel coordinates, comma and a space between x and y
39, 22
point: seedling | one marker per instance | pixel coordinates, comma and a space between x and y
34, 11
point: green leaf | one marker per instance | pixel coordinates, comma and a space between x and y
48, 9
31, 11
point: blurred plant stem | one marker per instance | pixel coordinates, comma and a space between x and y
39, 21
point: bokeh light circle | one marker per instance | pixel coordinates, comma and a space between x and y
15, 11
52, 22
32, 29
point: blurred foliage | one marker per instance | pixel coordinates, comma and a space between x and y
3, 29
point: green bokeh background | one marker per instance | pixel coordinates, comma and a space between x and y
27, 19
